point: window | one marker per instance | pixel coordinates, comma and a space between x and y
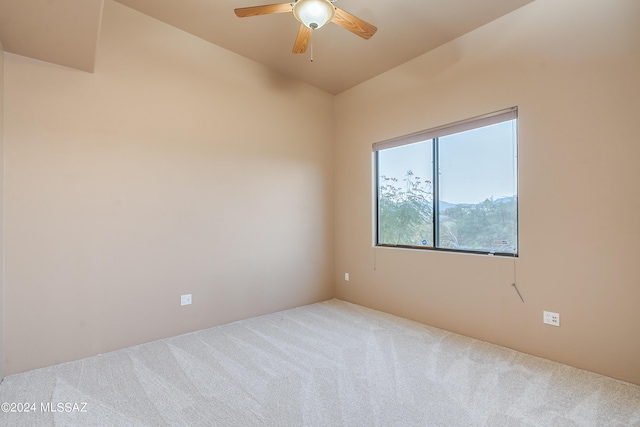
451, 188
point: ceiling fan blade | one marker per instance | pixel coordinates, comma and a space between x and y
302, 41
354, 24
243, 12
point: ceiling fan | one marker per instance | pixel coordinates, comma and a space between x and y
312, 15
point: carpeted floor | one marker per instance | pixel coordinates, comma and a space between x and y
326, 364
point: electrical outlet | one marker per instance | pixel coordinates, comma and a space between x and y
551, 318
346, 277
185, 299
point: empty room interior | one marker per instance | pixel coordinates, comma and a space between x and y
172, 168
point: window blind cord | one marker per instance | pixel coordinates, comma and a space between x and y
515, 278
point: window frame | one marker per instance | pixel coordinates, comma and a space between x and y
433, 134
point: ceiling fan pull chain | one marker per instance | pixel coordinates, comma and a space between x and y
311, 46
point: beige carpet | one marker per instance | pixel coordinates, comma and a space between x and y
326, 364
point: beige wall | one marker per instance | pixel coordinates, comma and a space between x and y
177, 167
572, 67
1, 210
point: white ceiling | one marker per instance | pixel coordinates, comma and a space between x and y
66, 32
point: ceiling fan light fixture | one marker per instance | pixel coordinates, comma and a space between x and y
313, 13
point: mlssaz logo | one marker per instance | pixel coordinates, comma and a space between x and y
63, 407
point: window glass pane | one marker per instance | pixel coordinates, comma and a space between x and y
478, 189
405, 202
